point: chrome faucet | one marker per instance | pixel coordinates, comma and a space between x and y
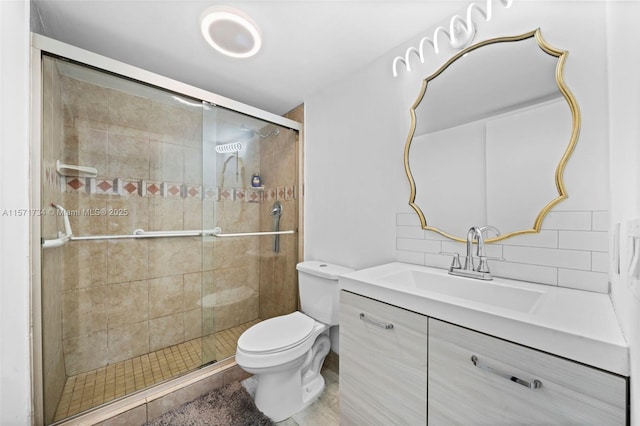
472, 234
482, 272
483, 266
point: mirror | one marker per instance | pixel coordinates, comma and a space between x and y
491, 133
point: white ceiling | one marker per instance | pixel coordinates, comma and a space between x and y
307, 44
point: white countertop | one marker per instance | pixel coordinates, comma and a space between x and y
575, 324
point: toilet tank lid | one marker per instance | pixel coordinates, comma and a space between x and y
322, 269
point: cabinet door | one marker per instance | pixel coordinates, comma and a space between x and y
492, 389
383, 369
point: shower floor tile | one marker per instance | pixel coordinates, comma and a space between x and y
94, 388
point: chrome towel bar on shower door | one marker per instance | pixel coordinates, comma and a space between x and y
137, 234
142, 234
63, 238
248, 234
215, 232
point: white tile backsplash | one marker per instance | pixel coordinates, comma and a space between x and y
410, 232
570, 251
430, 235
412, 244
583, 280
600, 221
560, 258
437, 260
600, 262
414, 257
545, 238
583, 240
574, 220
522, 271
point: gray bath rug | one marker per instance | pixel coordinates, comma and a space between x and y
230, 405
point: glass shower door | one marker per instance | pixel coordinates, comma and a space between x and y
142, 290
250, 167
121, 311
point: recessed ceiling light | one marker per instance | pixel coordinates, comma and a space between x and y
230, 31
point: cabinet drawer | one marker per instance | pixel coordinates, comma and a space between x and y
492, 389
383, 368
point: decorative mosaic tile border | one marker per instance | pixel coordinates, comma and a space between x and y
280, 193
143, 188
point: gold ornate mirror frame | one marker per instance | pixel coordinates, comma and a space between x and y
559, 181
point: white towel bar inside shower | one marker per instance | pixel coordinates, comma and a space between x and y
63, 238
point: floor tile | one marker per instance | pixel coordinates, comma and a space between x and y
91, 389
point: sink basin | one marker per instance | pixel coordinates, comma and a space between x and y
493, 293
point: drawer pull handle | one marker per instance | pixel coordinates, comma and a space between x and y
536, 384
376, 323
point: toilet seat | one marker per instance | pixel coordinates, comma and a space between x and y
277, 334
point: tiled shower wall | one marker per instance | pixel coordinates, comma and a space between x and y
570, 251
278, 275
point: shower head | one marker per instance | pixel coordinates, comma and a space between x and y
274, 132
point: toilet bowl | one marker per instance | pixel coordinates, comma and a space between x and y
286, 353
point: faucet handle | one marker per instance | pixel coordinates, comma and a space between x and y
483, 266
455, 262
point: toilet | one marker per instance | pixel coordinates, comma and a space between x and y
286, 353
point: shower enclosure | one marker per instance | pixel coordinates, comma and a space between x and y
160, 241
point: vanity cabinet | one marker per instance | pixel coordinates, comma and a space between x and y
383, 363
398, 367
479, 379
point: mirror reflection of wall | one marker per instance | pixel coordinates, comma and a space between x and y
529, 159
491, 128
451, 177
466, 167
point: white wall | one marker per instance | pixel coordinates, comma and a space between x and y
353, 152
15, 389
624, 134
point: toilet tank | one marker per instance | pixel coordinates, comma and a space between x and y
319, 293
